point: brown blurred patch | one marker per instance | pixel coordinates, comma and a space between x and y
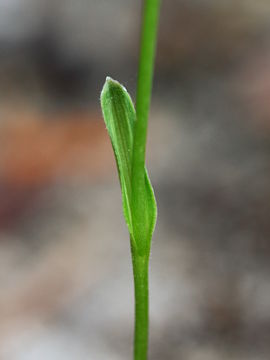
37, 149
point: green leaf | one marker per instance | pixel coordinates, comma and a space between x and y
119, 115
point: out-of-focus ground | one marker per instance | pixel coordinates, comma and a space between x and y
65, 273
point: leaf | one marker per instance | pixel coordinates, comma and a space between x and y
119, 116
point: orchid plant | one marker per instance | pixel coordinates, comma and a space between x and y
127, 128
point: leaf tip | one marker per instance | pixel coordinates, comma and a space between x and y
110, 82
108, 78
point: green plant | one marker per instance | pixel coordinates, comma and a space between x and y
127, 129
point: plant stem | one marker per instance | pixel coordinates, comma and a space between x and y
144, 87
140, 271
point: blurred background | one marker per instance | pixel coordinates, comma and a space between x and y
65, 270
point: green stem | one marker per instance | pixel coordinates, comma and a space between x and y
144, 89
140, 272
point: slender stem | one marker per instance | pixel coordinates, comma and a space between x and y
140, 272
144, 88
